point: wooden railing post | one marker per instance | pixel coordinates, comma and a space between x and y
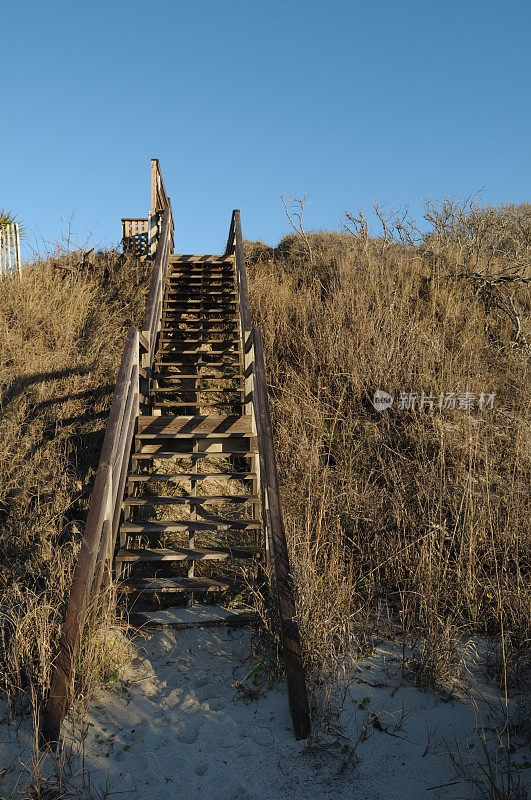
289, 631
103, 520
97, 540
257, 403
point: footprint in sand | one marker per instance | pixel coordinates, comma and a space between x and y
216, 704
262, 736
188, 732
201, 767
241, 794
190, 703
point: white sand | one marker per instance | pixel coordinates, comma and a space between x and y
175, 726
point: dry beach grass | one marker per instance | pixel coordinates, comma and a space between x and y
62, 330
423, 513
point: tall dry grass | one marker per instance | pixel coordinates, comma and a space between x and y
62, 330
416, 518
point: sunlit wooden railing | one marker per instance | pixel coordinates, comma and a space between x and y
257, 404
94, 564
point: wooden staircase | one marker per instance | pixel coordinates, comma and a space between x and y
191, 515
186, 502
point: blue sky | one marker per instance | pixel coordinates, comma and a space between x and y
244, 101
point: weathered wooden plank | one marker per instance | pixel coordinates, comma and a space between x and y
162, 585
164, 477
159, 198
182, 500
200, 425
174, 526
245, 308
150, 623
132, 555
194, 258
151, 321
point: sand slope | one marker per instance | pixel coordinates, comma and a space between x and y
176, 726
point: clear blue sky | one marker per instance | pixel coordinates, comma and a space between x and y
243, 100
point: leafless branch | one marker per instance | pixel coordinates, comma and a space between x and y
294, 207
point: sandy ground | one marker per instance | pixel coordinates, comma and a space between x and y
175, 725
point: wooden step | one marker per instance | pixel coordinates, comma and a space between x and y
199, 301
198, 405
224, 360
229, 369
179, 336
219, 344
201, 288
176, 312
221, 273
202, 311
200, 425
204, 322
175, 351
201, 270
187, 338
185, 325
205, 370
200, 291
173, 334
204, 295
171, 318
161, 363
186, 376
169, 389
200, 350
191, 454
197, 401
184, 306
206, 271
206, 301
178, 477
174, 381
163, 585
205, 311
186, 525
233, 400
193, 258
202, 358
229, 358
225, 279
187, 554
184, 500
156, 434
165, 620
